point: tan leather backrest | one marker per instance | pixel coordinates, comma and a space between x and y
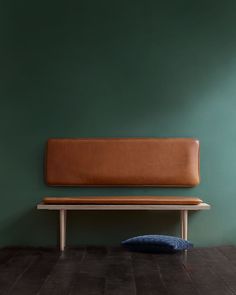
122, 162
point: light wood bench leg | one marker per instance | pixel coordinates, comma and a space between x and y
184, 224
62, 229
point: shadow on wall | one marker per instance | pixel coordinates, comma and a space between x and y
87, 228
102, 67
30, 228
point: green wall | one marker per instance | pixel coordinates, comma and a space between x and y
116, 69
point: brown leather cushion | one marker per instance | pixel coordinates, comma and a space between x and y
122, 162
124, 200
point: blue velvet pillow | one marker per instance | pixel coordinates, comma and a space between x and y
156, 244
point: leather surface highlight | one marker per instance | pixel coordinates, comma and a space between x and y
122, 162
123, 200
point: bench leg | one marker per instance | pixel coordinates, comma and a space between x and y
184, 224
62, 229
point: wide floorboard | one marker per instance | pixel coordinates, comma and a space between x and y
115, 271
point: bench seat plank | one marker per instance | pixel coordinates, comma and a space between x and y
201, 206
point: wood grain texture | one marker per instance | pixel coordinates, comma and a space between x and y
201, 206
115, 271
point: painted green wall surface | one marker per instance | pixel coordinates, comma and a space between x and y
116, 69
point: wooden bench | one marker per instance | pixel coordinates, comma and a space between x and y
122, 162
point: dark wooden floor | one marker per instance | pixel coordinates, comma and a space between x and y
114, 271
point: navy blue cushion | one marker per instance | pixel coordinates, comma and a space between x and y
156, 244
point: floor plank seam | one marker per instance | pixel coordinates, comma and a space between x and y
20, 276
48, 276
115, 271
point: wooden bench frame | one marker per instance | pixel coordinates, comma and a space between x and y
64, 208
